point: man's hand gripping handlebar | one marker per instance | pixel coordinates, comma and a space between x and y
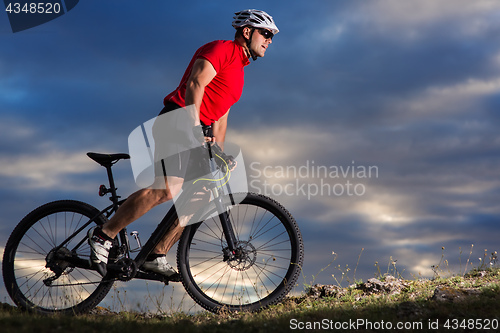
222, 159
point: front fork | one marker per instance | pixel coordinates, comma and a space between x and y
227, 227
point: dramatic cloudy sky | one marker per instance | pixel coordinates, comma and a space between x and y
407, 89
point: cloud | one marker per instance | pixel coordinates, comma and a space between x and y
11, 130
411, 182
411, 18
460, 98
30, 160
46, 170
376, 51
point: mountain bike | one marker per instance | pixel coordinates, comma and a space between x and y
244, 254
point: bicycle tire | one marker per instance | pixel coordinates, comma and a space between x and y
273, 256
25, 259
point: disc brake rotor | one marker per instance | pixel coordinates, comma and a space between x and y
244, 257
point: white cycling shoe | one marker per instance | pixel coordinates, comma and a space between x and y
160, 266
99, 250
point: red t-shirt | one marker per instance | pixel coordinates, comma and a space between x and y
229, 59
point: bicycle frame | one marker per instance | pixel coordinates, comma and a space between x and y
161, 230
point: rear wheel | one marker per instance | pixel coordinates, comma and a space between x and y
264, 268
36, 275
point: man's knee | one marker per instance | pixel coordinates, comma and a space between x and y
169, 190
164, 196
157, 196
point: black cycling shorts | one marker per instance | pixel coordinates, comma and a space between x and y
188, 163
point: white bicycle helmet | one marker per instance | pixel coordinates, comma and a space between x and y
254, 18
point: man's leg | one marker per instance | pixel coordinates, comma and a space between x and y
157, 260
195, 203
139, 203
134, 207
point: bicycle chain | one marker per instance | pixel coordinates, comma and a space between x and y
82, 283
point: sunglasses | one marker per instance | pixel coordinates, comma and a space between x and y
266, 33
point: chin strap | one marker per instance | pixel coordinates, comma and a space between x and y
249, 41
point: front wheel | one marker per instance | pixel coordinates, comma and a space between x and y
36, 275
264, 268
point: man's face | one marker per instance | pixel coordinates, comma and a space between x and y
261, 39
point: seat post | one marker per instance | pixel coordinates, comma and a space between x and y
112, 188
107, 161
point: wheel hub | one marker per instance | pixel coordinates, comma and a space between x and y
55, 260
244, 256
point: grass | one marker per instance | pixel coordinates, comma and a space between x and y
413, 306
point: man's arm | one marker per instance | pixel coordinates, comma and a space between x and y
201, 75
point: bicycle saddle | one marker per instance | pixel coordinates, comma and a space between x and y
108, 159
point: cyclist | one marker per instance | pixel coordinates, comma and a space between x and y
212, 82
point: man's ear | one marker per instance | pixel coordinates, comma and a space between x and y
247, 31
